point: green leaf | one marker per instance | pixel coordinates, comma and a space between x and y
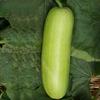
20, 55
86, 35
81, 72
83, 55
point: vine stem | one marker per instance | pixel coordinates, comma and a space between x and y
59, 3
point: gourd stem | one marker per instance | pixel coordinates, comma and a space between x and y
59, 3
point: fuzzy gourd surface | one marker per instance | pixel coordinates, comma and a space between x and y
56, 49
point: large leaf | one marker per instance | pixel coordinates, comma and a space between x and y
20, 56
87, 24
81, 72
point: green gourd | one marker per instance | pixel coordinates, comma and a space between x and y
56, 51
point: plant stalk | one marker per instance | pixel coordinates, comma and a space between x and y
59, 3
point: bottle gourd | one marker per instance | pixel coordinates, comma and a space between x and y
56, 50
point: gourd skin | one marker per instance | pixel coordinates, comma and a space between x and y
56, 51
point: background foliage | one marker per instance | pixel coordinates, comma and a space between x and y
20, 69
